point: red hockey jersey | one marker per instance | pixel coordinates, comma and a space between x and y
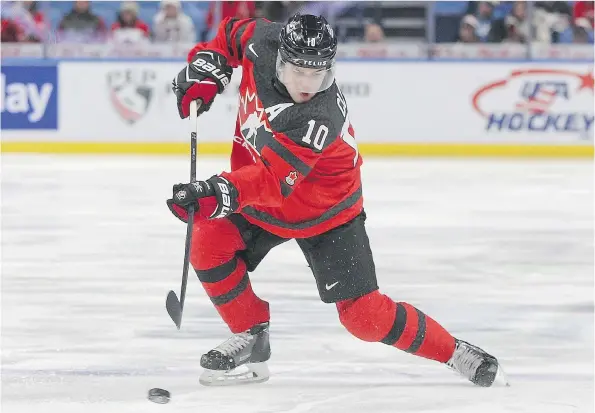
296, 166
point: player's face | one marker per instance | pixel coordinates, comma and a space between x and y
302, 83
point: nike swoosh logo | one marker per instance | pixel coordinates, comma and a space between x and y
251, 47
328, 287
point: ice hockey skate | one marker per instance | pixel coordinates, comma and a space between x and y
477, 366
241, 359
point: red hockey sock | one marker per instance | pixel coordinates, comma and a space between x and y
223, 275
232, 295
375, 317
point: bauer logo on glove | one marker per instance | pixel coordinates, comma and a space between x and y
213, 198
207, 75
205, 66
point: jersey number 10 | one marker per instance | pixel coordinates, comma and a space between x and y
320, 135
322, 131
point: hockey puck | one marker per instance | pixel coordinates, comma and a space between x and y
158, 395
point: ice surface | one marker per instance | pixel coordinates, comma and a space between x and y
500, 252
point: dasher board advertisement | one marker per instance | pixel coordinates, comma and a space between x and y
389, 103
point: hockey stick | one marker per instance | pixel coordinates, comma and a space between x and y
174, 306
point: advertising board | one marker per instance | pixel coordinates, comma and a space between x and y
418, 106
29, 97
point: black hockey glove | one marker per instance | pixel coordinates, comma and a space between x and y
207, 75
214, 198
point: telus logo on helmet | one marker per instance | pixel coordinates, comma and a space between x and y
204, 66
314, 63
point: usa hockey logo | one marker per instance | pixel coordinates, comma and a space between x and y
131, 92
538, 100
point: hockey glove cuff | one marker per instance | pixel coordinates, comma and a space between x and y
214, 198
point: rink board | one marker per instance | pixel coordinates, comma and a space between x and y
396, 108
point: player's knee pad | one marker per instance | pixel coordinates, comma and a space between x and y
368, 317
214, 242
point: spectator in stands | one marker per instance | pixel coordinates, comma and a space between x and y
33, 23
171, 25
583, 31
550, 18
577, 32
486, 30
219, 10
518, 29
554, 7
513, 31
468, 30
11, 32
29, 21
373, 33
583, 9
128, 28
81, 25
563, 30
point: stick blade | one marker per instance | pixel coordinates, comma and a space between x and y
174, 309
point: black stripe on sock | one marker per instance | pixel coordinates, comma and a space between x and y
398, 326
421, 333
233, 293
219, 273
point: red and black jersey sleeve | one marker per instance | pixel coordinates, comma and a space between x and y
230, 40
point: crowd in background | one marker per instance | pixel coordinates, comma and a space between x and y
551, 22
175, 21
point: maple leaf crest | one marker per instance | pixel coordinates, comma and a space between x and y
291, 178
252, 118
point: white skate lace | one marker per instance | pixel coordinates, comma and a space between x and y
465, 360
234, 344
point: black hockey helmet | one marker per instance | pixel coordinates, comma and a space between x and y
308, 42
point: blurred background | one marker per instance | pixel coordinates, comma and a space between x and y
392, 22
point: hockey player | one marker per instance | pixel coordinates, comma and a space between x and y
295, 174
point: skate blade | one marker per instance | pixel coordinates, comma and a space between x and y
501, 379
254, 373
